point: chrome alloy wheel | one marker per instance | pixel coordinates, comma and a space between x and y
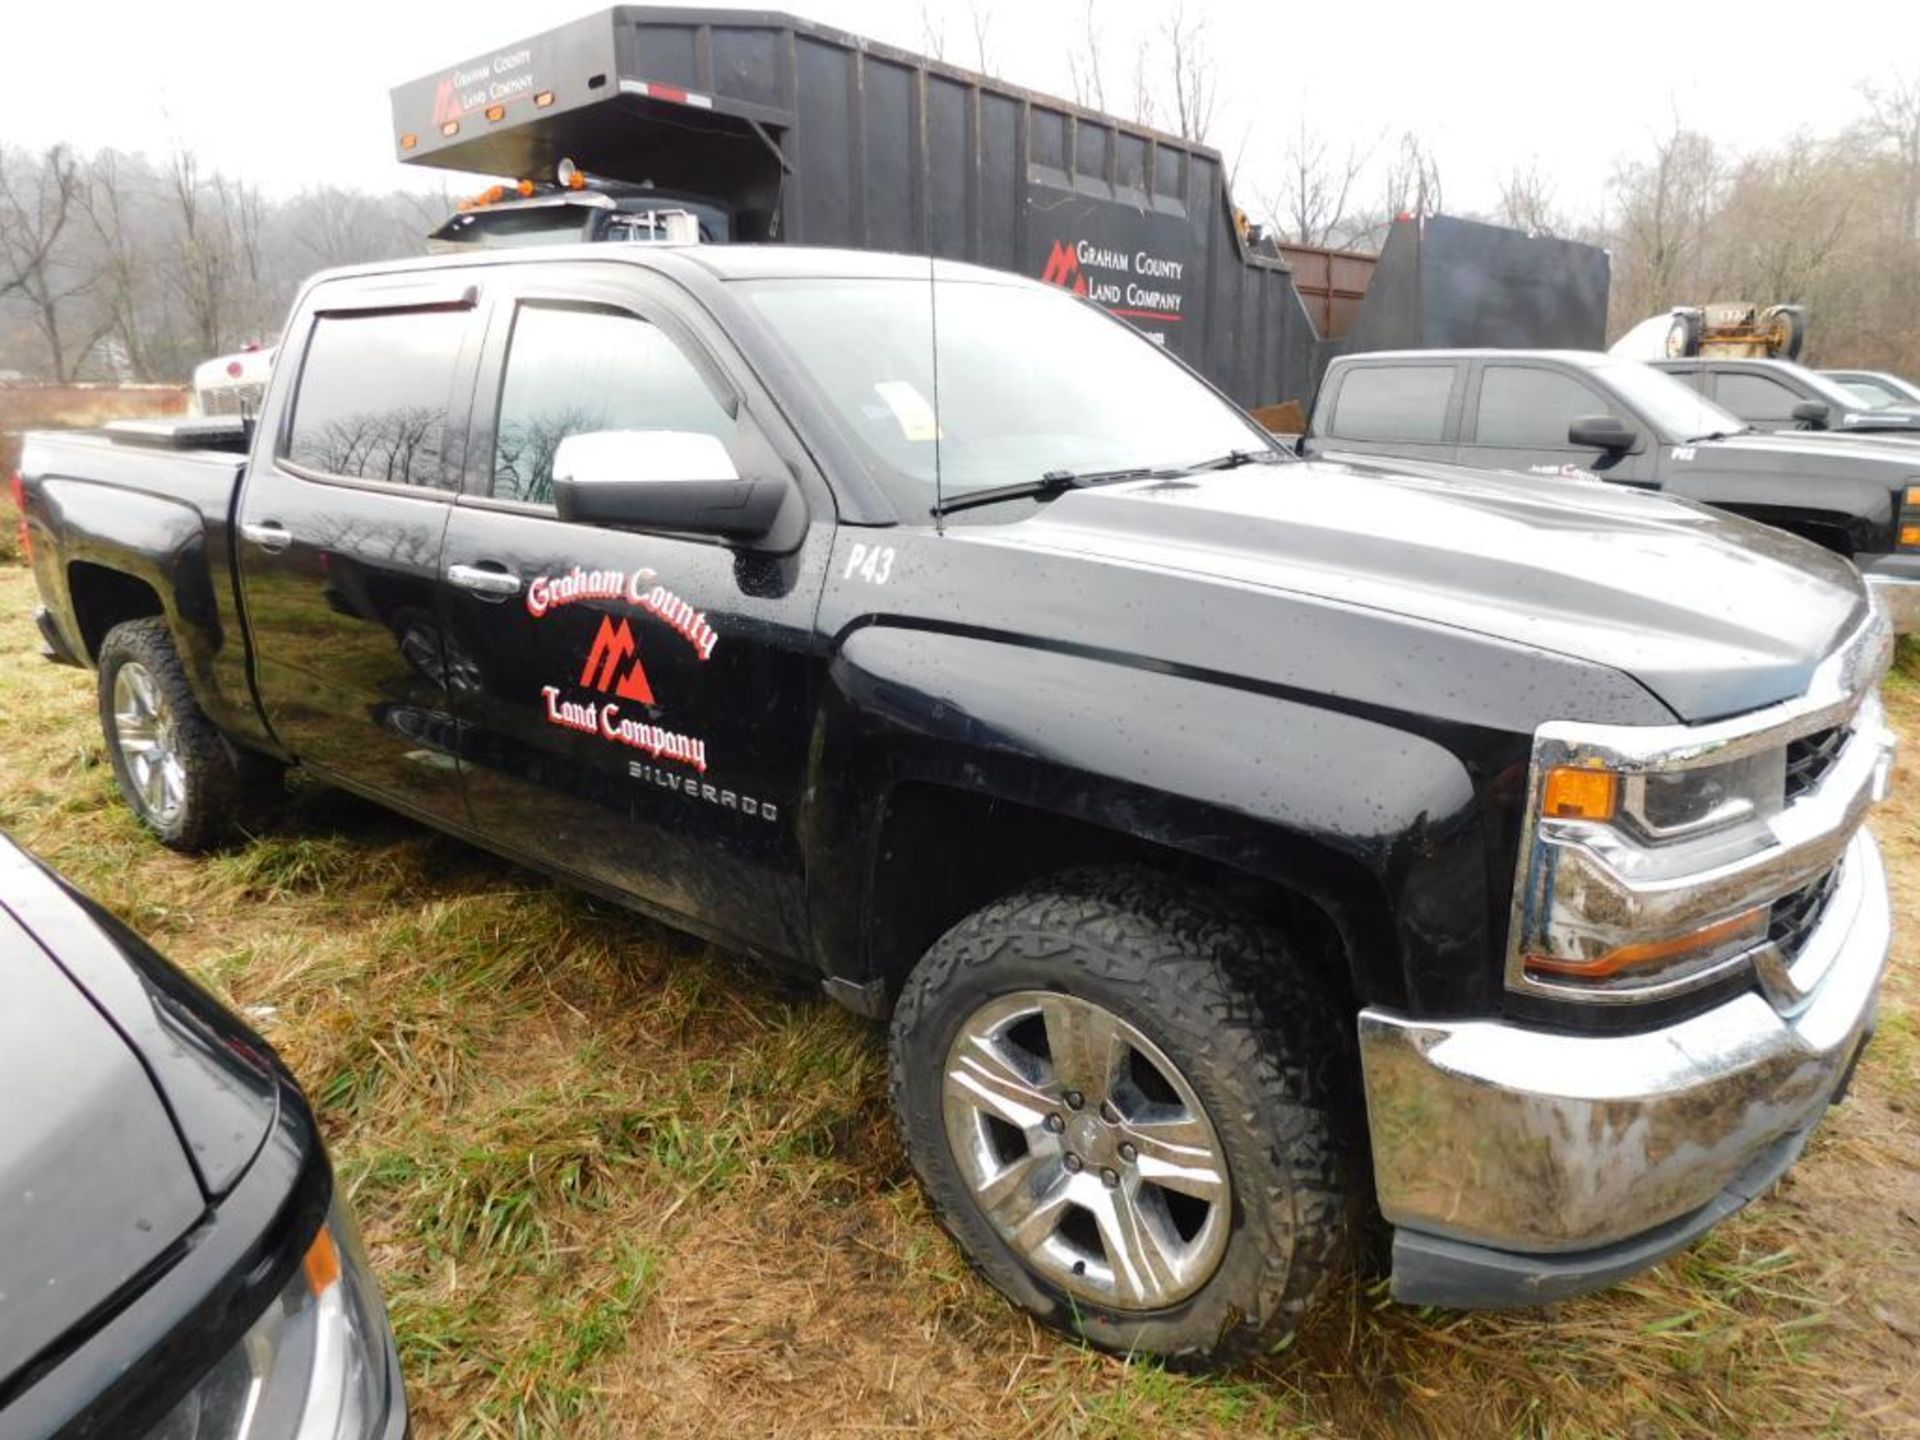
1087, 1150
143, 733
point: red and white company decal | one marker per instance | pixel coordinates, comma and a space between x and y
614, 671
638, 588
603, 718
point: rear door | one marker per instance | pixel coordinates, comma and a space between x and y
342, 516
634, 705
1517, 417
1401, 407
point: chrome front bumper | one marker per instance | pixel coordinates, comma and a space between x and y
1899, 598
1543, 1164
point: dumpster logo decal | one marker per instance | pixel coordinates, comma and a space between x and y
1063, 269
1135, 284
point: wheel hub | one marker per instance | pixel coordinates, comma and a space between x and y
144, 736
1087, 1150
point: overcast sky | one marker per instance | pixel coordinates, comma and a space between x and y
292, 96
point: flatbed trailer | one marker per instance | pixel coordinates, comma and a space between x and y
810, 135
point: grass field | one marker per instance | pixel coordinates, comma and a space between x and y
617, 1184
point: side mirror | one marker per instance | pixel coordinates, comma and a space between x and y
1602, 432
665, 480
1812, 413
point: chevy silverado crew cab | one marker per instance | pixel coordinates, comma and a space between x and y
1588, 416
1243, 849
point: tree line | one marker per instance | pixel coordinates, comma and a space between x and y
119, 267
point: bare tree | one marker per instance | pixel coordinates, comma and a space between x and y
1893, 123
1085, 71
203, 251
982, 22
1413, 180
1665, 207
933, 33
1313, 207
1195, 76
37, 199
1526, 201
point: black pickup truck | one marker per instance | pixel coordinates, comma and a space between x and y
1243, 849
1579, 415
1782, 396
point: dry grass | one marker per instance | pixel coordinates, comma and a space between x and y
618, 1185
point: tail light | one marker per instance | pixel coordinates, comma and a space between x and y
20, 504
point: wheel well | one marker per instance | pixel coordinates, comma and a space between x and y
942, 854
104, 598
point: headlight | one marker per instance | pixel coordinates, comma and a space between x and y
1650, 828
313, 1367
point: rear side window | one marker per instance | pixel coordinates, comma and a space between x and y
1754, 397
571, 370
373, 394
1393, 402
1530, 409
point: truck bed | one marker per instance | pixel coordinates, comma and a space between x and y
126, 525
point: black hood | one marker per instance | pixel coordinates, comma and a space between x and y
1712, 614
128, 1103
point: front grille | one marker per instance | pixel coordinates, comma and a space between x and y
1797, 912
1810, 757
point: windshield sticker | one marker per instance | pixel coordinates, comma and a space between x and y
1683, 452
546, 593
910, 410
1565, 472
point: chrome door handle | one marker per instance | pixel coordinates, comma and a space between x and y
482, 581
270, 535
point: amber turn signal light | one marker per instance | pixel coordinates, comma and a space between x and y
322, 1263
1913, 494
1910, 534
1574, 792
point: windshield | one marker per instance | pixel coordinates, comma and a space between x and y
1676, 410
1031, 382
1865, 392
1834, 395
504, 229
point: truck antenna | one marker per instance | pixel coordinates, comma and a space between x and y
933, 331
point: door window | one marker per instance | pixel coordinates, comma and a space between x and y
1754, 397
571, 370
1524, 408
1393, 402
373, 394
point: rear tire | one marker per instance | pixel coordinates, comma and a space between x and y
1211, 1237
182, 778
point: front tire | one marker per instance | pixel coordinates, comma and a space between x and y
178, 773
1126, 1101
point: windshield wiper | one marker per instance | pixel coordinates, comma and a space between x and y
1054, 482
1232, 460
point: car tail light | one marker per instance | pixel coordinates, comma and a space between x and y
20, 504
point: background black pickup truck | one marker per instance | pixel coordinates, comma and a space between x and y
1203, 819
1780, 395
1589, 416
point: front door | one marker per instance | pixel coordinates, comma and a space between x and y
637, 705
1518, 417
342, 516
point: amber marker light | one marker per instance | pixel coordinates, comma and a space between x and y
1575, 792
322, 1263
1652, 952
